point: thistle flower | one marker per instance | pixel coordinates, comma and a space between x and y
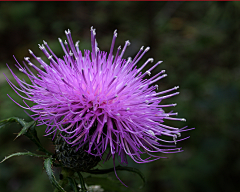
100, 100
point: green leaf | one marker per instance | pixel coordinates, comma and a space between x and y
48, 167
119, 168
4, 122
30, 131
73, 184
27, 130
23, 153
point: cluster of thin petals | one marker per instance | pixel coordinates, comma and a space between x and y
100, 99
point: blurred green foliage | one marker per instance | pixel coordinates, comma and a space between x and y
199, 43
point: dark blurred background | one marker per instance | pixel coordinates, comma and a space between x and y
199, 43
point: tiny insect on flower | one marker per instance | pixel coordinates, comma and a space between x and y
100, 100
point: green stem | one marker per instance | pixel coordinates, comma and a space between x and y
82, 183
64, 180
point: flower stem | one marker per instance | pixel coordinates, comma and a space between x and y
65, 173
82, 183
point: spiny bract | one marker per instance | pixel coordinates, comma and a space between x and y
71, 157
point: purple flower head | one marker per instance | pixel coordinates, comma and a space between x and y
96, 98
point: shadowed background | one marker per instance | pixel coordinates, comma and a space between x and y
199, 44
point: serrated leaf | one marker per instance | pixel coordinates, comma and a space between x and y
26, 128
31, 133
48, 167
22, 153
73, 184
4, 122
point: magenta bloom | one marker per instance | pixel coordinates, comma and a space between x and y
99, 99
